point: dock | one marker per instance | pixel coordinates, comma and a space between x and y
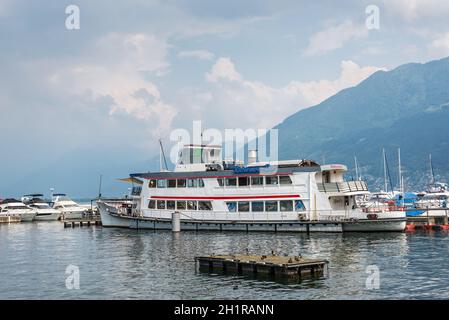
9, 219
292, 267
72, 223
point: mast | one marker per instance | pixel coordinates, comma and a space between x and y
385, 170
356, 169
432, 176
399, 170
162, 155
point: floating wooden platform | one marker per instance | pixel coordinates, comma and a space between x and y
270, 265
81, 223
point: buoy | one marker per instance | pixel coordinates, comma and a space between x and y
410, 227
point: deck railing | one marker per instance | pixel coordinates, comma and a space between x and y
342, 187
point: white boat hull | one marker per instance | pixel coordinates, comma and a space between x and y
27, 216
54, 216
111, 218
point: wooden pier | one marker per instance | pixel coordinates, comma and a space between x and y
9, 219
72, 223
271, 265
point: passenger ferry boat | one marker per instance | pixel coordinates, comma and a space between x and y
214, 194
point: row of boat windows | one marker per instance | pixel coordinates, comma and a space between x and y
254, 181
266, 206
176, 183
233, 206
228, 182
180, 205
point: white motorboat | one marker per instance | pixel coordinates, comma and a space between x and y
69, 209
43, 209
16, 207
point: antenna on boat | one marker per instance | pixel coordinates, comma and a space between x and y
162, 155
356, 169
99, 187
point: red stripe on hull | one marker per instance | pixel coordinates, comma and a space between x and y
225, 197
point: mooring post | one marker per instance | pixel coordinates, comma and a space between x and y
176, 221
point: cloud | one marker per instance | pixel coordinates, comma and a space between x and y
197, 54
315, 92
232, 101
223, 69
133, 51
334, 37
411, 10
439, 47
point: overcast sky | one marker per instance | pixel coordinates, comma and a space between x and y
137, 69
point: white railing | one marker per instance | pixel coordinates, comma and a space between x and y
342, 187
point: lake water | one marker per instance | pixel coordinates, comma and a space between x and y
129, 264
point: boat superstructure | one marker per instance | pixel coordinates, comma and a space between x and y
212, 194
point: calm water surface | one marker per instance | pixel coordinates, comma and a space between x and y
129, 264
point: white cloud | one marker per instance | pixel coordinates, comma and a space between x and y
334, 37
233, 101
223, 69
139, 52
116, 71
411, 10
198, 54
440, 46
316, 91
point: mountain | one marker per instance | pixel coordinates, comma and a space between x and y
407, 107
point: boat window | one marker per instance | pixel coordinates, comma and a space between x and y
243, 181
257, 206
272, 180
192, 183
204, 205
180, 205
232, 206
161, 204
162, 183
286, 205
220, 182
200, 183
181, 183
171, 204
152, 204
257, 181
191, 205
285, 180
299, 205
271, 206
243, 206
231, 182
152, 183
172, 183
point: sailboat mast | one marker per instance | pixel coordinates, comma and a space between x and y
432, 176
356, 169
385, 170
400, 170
